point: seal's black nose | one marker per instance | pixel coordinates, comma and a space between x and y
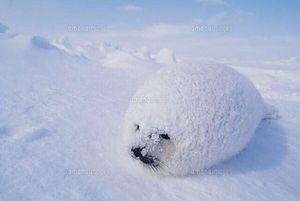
137, 151
147, 159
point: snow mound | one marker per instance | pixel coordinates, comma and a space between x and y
122, 59
64, 44
3, 28
165, 56
42, 43
112, 55
210, 112
143, 53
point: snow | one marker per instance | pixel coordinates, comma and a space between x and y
165, 56
3, 28
61, 117
41, 43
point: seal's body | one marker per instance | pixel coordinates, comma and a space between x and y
188, 117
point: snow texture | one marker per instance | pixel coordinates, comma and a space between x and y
3, 28
61, 117
209, 111
41, 43
165, 56
113, 56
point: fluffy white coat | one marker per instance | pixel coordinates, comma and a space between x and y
209, 111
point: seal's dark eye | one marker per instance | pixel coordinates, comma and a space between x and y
137, 127
164, 136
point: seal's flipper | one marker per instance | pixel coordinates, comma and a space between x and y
271, 112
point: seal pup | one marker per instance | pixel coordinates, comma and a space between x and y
191, 116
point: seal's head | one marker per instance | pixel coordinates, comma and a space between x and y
159, 131
159, 138
153, 148
149, 150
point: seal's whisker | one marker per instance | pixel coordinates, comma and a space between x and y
167, 167
150, 167
153, 168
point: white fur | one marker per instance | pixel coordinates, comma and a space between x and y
210, 112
